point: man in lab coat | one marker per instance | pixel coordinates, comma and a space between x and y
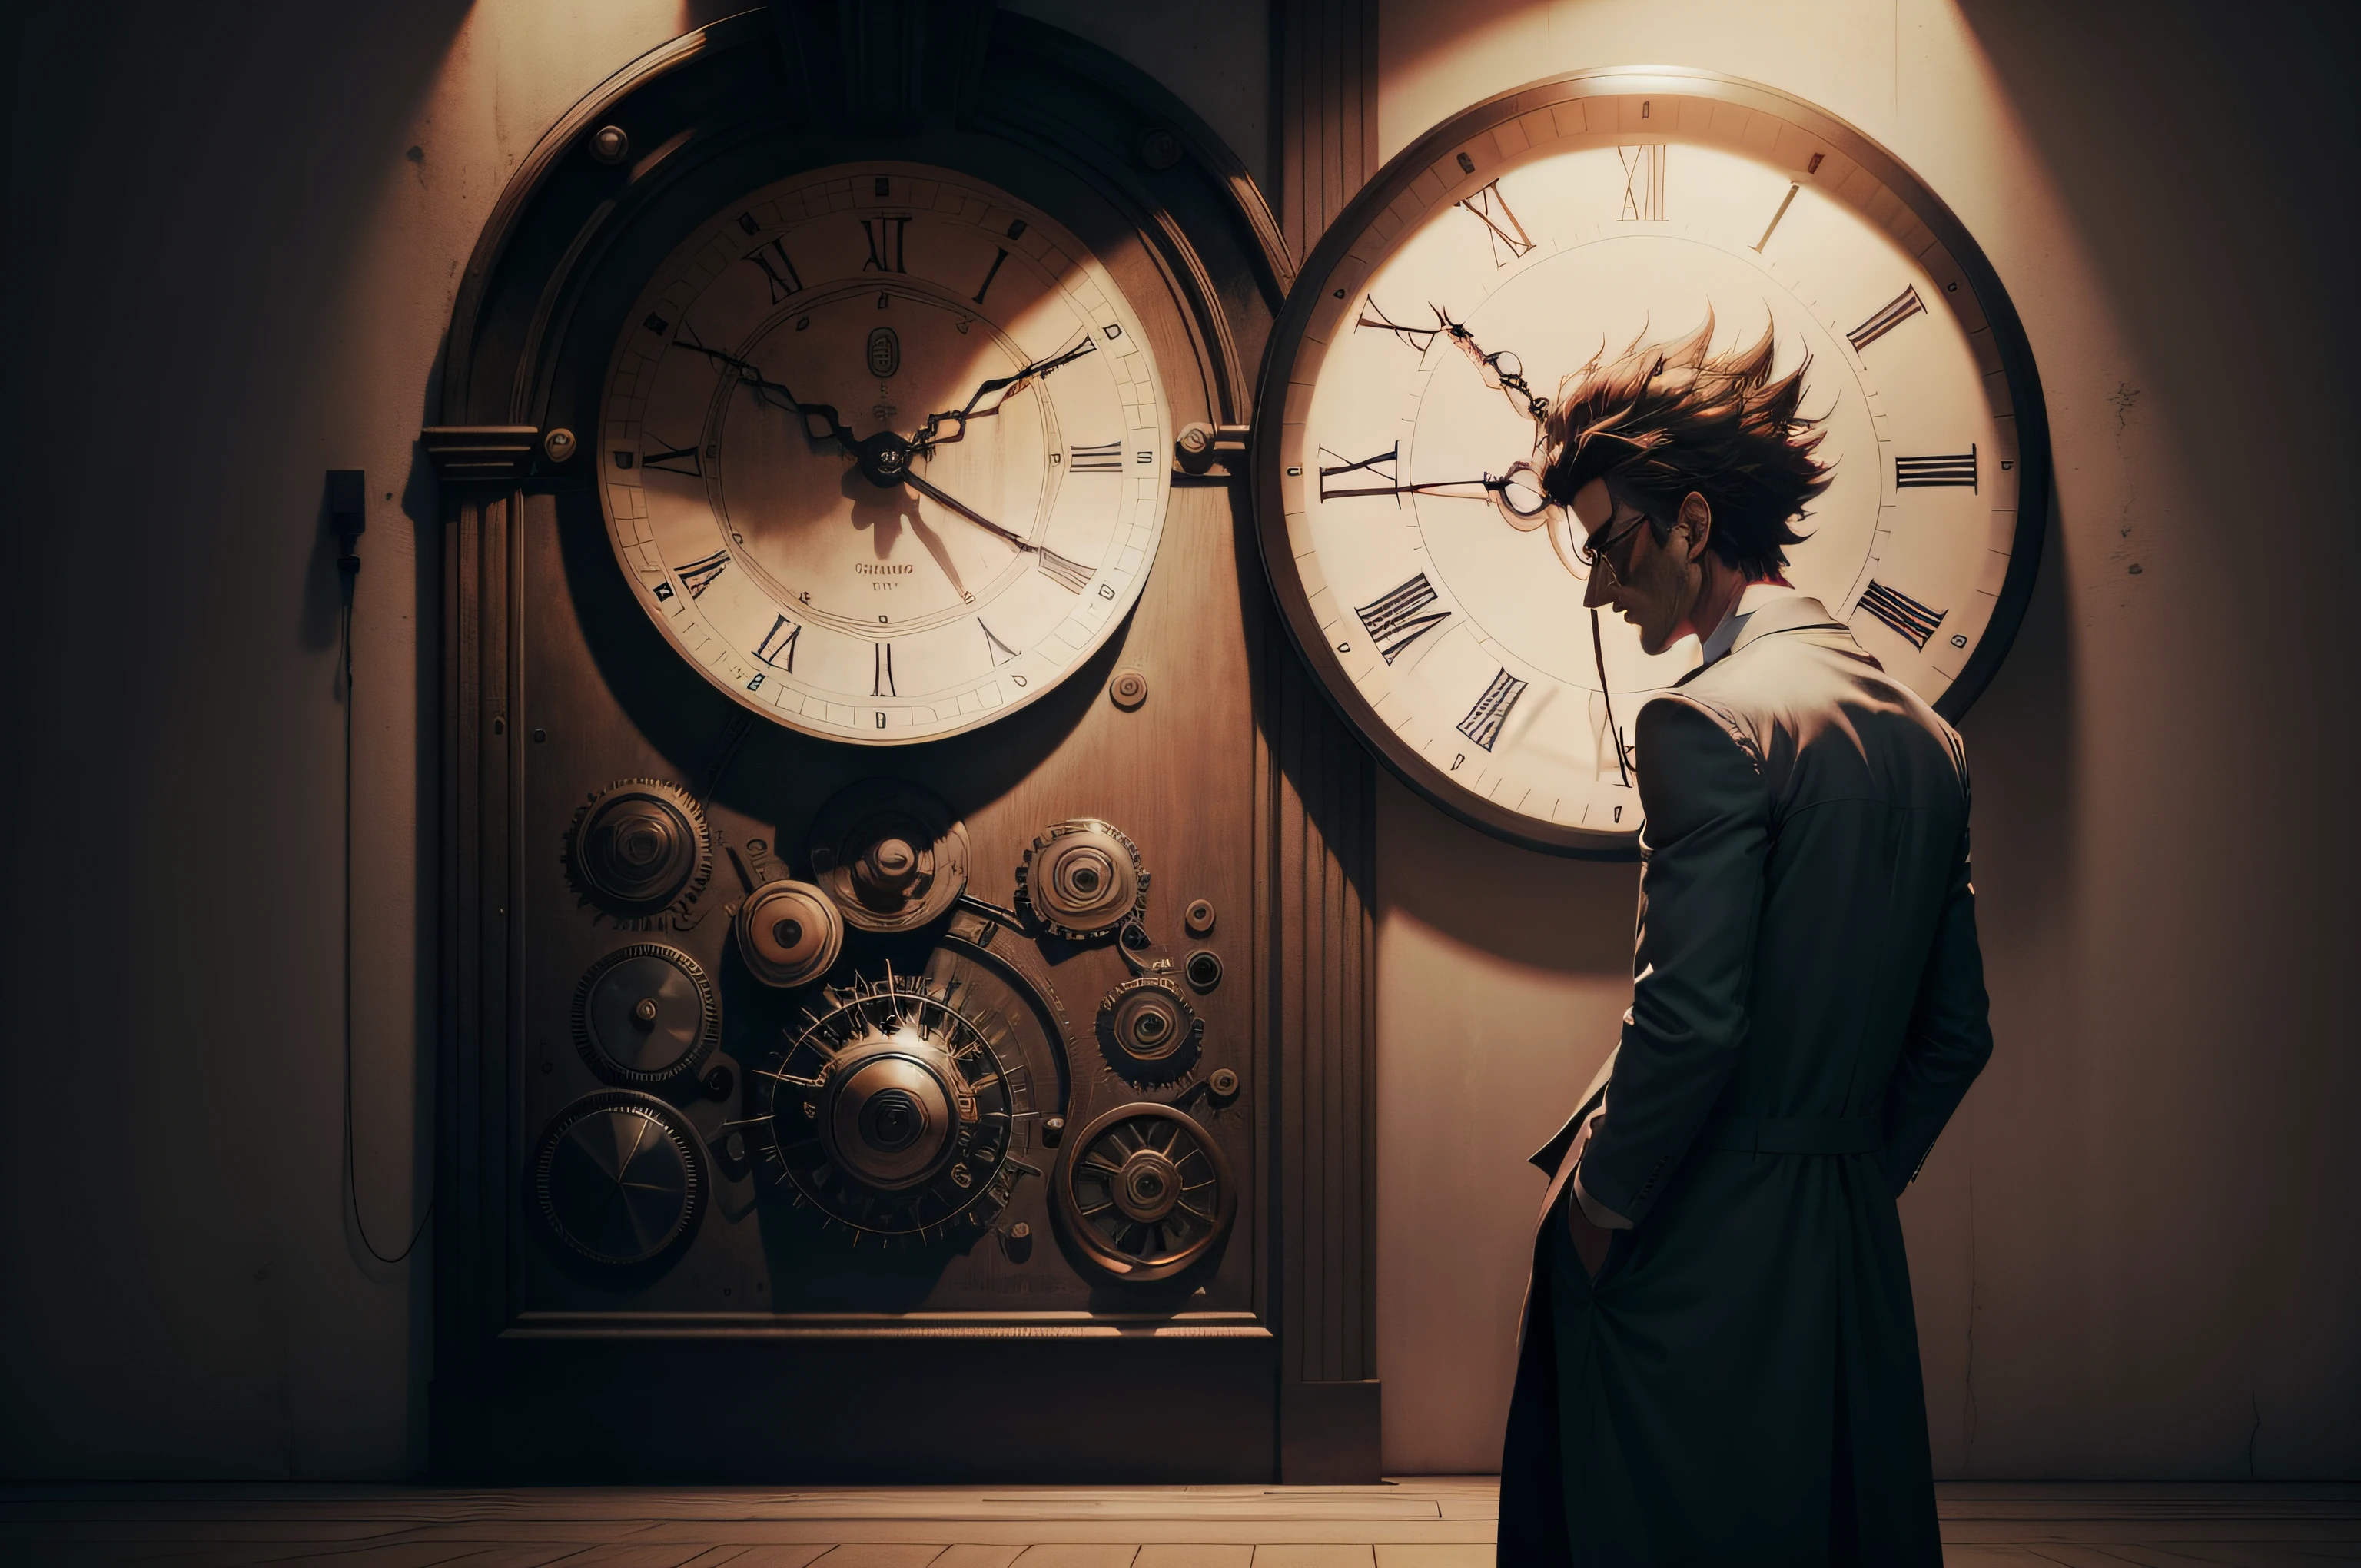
1720, 1362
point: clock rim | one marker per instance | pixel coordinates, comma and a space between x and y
1404, 170
900, 162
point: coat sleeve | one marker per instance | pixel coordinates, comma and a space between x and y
1950, 1033
1700, 902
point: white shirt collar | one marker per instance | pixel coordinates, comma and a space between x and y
1753, 598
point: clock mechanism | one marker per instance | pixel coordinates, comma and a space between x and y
897, 1111
1146, 1192
1083, 879
645, 1013
641, 850
618, 1178
1149, 1031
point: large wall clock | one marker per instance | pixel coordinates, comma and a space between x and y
1500, 254
884, 451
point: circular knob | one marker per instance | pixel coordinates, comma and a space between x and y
789, 933
1128, 689
609, 144
1223, 1082
558, 445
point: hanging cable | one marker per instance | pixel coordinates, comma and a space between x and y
346, 499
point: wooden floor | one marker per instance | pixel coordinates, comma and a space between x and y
1419, 1523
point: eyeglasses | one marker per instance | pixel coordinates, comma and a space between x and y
1592, 552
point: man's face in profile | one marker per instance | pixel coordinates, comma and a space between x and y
1647, 580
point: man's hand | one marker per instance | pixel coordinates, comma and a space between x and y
1589, 1241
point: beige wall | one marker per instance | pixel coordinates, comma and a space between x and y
2134, 1250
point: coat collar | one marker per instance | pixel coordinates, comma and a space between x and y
1787, 612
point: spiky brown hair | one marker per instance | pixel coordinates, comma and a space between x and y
1657, 422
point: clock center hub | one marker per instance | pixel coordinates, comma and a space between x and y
885, 459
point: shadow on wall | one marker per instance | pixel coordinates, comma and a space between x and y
200, 186
1502, 978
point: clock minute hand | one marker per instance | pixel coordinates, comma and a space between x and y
1073, 574
928, 438
820, 422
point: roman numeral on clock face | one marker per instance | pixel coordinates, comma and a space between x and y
1105, 459
1484, 720
1070, 575
697, 575
882, 683
1385, 465
674, 459
1400, 617
998, 255
1644, 182
1417, 337
1923, 473
1906, 616
884, 243
778, 645
1509, 240
780, 272
1899, 309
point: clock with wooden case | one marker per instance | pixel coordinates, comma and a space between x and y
1437, 592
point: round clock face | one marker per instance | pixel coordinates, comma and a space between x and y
1504, 253
883, 453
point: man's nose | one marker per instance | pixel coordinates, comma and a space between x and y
1601, 589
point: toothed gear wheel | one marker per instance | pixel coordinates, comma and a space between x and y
1145, 1192
893, 1110
618, 1178
789, 933
1083, 879
640, 847
1149, 1031
645, 1013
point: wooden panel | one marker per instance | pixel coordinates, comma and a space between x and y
1326, 118
1321, 862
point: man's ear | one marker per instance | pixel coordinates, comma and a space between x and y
1697, 513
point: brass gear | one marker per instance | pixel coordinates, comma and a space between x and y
1149, 1031
1145, 1192
1082, 878
645, 1013
640, 849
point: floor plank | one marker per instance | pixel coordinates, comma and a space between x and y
1415, 1522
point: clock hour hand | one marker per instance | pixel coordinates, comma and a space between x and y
1503, 371
820, 423
999, 389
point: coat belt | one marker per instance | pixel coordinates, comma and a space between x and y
1796, 1135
